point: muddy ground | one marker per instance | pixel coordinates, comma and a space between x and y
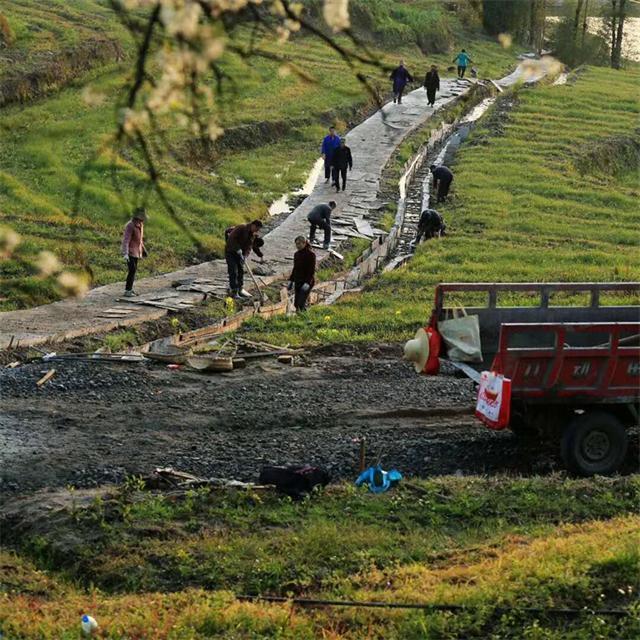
95, 422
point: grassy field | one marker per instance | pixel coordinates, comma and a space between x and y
550, 194
46, 143
159, 567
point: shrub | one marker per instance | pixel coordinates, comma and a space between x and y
7, 37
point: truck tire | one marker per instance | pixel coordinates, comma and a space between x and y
594, 444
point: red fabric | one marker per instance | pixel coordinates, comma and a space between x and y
435, 344
133, 239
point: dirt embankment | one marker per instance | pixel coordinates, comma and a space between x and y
95, 423
52, 71
249, 136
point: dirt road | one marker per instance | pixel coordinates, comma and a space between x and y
95, 423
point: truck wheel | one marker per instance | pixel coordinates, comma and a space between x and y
594, 444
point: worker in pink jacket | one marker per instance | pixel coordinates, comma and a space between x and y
133, 247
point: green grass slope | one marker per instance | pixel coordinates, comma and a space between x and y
550, 194
165, 567
46, 143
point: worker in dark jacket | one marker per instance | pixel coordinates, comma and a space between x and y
431, 225
442, 179
342, 160
432, 84
302, 277
320, 216
240, 241
400, 77
329, 146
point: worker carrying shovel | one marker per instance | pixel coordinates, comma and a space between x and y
240, 241
302, 277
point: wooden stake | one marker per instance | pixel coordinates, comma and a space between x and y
363, 446
46, 377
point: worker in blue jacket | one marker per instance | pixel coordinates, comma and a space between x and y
401, 78
329, 145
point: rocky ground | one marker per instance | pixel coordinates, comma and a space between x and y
97, 422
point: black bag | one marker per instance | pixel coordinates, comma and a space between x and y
294, 481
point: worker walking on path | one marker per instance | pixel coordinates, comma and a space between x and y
320, 216
431, 225
240, 241
329, 146
342, 159
302, 277
442, 179
432, 84
133, 247
401, 78
462, 60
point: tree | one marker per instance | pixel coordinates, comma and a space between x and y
522, 19
618, 35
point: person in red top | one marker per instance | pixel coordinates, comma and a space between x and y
133, 247
240, 241
302, 277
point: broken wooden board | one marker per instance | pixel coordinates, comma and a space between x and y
151, 303
202, 363
115, 313
396, 262
167, 358
46, 377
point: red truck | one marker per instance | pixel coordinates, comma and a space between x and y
575, 368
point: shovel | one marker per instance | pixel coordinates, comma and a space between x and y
255, 282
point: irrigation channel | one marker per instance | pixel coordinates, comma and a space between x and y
419, 189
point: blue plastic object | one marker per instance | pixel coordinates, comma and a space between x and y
378, 480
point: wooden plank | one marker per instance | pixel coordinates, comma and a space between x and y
46, 377
202, 363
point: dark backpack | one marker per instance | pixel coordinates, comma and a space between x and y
294, 481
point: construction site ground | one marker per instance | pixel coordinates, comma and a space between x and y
96, 423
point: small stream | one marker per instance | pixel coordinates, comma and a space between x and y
281, 205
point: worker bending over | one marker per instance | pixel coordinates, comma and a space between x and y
431, 225
320, 216
442, 179
240, 241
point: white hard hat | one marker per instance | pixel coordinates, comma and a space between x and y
417, 350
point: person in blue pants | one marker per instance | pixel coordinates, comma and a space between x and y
329, 145
400, 77
462, 60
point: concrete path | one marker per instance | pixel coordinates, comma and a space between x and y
372, 144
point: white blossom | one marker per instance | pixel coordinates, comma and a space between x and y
336, 14
48, 263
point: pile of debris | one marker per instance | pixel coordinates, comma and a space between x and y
225, 355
